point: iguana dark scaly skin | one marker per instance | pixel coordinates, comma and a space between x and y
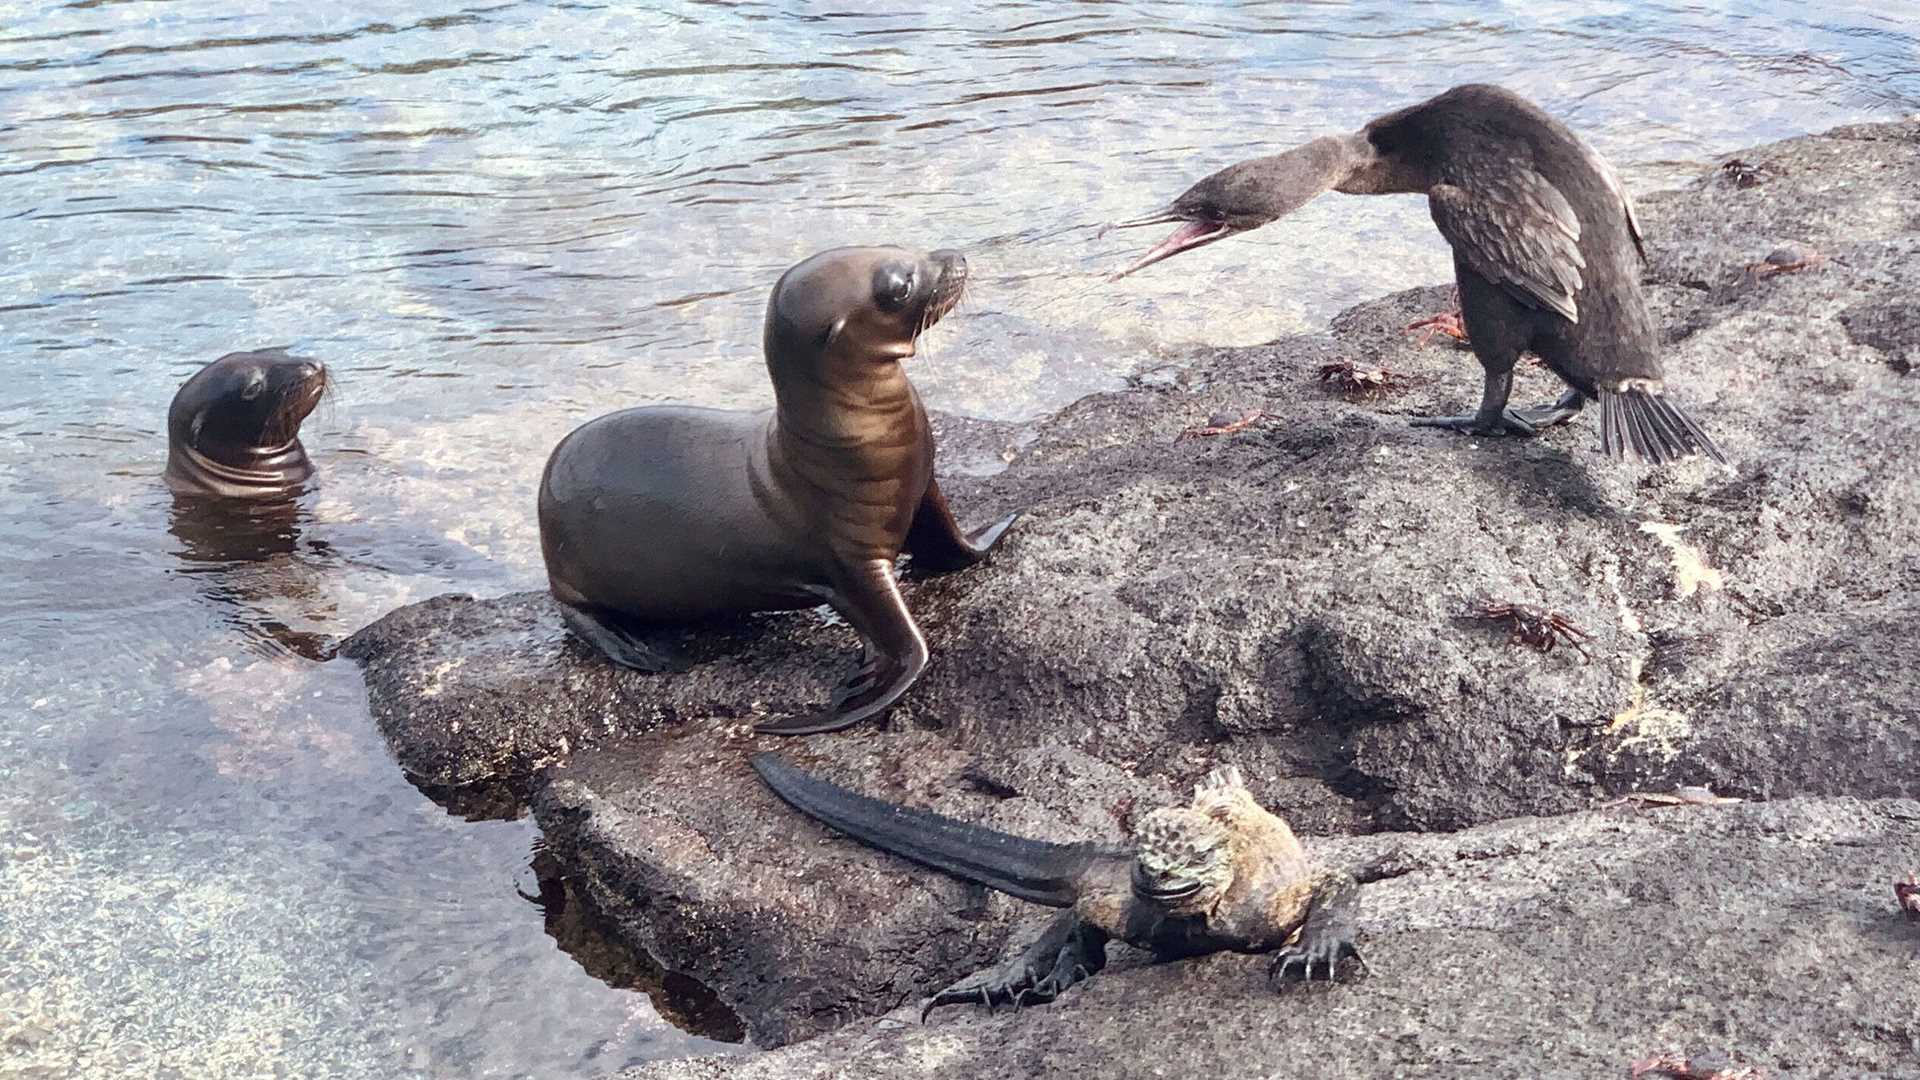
1220, 874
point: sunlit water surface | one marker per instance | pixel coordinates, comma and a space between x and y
496, 221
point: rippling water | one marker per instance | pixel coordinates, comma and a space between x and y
495, 221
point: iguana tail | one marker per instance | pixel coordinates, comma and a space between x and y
1036, 870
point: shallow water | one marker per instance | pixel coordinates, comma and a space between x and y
495, 221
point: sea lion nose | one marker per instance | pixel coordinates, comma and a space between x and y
950, 261
309, 369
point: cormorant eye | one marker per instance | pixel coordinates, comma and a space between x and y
892, 286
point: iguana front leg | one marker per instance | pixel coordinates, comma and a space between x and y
1068, 951
1328, 933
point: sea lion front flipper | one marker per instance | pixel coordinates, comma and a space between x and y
867, 596
619, 643
1332, 922
936, 541
1070, 950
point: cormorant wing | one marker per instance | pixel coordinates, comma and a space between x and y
1036, 870
1619, 191
1514, 228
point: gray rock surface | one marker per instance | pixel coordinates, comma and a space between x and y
1298, 599
1563, 947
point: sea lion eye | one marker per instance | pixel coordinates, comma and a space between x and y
256, 382
892, 285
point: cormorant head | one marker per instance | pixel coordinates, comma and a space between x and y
1243, 197
1184, 862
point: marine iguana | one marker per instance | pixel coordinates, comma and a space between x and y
1220, 874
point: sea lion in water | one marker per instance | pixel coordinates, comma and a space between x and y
233, 429
1546, 250
669, 514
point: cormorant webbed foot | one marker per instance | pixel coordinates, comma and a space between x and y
1559, 412
1329, 933
1069, 951
1506, 422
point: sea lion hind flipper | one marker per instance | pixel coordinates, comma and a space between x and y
937, 542
620, 643
867, 596
1329, 932
1070, 950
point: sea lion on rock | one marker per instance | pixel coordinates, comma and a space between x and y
233, 429
669, 514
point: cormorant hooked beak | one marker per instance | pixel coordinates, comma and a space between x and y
1244, 196
1191, 234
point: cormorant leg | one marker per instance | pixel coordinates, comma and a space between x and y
1068, 951
1494, 418
620, 644
936, 541
1561, 411
1329, 931
893, 652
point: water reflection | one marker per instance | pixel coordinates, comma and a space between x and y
577, 928
243, 555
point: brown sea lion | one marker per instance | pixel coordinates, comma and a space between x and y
668, 514
233, 429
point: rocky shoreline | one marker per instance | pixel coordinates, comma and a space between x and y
1301, 599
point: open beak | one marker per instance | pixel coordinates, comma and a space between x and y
1190, 235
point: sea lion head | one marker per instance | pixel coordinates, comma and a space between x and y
234, 427
849, 307
1184, 861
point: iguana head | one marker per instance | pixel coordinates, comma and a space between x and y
1184, 862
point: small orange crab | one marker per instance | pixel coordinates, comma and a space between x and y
1538, 627
1356, 382
1225, 424
1449, 323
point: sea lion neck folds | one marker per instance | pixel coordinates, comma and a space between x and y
668, 514
233, 429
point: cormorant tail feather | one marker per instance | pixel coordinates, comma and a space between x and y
1635, 423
